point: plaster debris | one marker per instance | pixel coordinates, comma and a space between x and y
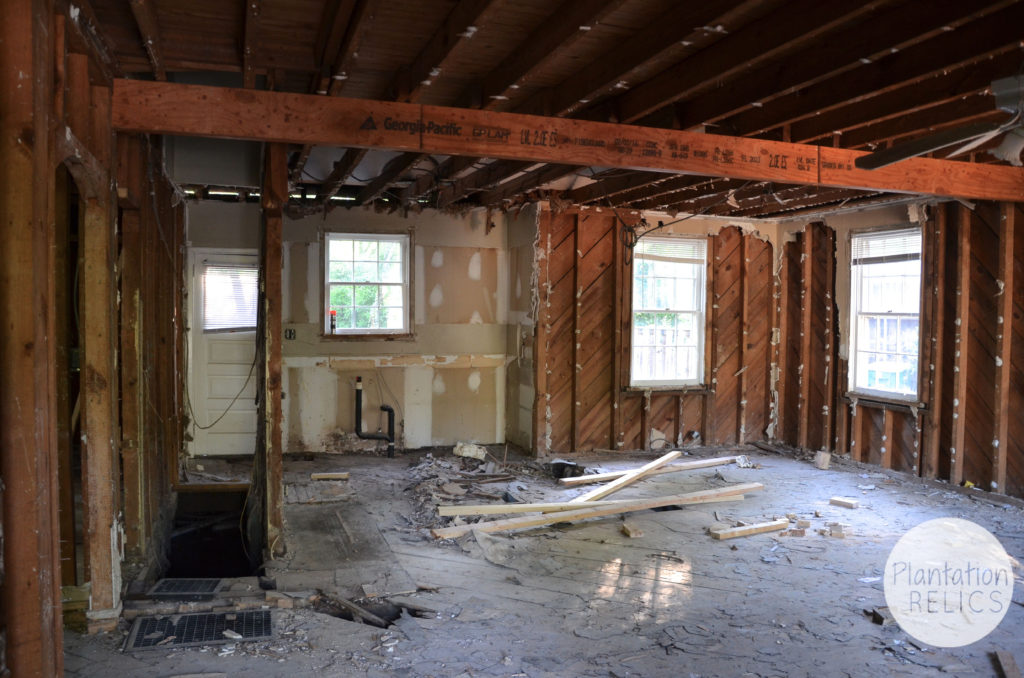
470, 450
474, 266
437, 258
473, 381
438, 384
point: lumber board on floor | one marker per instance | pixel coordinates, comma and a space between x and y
747, 530
698, 497
329, 476
542, 507
590, 478
627, 479
1008, 664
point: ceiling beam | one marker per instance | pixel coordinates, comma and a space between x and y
490, 175
660, 38
395, 168
457, 29
908, 98
527, 182
426, 183
342, 170
253, 9
605, 188
780, 33
886, 70
333, 26
170, 108
712, 187
569, 22
149, 29
959, 111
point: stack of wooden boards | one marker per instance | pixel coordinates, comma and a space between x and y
592, 504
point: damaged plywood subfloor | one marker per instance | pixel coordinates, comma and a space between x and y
584, 599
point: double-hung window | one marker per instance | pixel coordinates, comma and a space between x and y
668, 311
367, 284
885, 311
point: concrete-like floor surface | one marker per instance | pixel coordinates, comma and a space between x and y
584, 599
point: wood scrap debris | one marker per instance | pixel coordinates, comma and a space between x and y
328, 476
628, 478
747, 530
631, 530
583, 513
591, 478
844, 502
1008, 664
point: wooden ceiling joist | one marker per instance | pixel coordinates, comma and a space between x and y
482, 179
444, 173
568, 23
249, 42
998, 32
395, 168
909, 98
149, 30
980, 106
766, 39
605, 188
510, 189
168, 108
342, 170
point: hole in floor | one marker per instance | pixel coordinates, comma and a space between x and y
207, 539
386, 612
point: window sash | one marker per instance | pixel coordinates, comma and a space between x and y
364, 288
885, 314
668, 312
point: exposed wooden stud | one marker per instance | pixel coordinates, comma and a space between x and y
960, 347
830, 340
806, 277
936, 233
209, 111
710, 370
1004, 338
576, 338
741, 389
702, 496
542, 329
619, 382
888, 440
274, 196
149, 28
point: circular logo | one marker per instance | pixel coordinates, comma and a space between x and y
948, 582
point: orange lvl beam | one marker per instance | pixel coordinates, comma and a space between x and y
192, 110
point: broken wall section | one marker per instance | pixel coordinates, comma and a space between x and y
584, 398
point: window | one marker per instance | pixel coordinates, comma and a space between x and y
230, 297
885, 302
367, 286
668, 312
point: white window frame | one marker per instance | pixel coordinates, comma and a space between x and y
856, 286
698, 313
405, 241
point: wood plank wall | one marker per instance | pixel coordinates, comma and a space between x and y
971, 376
583, 334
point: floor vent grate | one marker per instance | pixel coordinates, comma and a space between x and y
198, 629
185, 589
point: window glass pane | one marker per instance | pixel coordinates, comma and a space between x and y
391, 295
366, 250
393, 318
365, 272
340, 271
390, 251
230, 297
366, 295
391, 273
340, 249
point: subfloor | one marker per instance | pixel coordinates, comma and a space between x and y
585, 599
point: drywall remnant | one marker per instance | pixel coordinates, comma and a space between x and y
474, 266
437, 258
475, 319
436, 296
473, 381
438, 385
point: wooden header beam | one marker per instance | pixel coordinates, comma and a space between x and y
192, 110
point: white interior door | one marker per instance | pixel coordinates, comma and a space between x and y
222, 373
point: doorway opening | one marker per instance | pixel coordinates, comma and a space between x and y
208, 538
